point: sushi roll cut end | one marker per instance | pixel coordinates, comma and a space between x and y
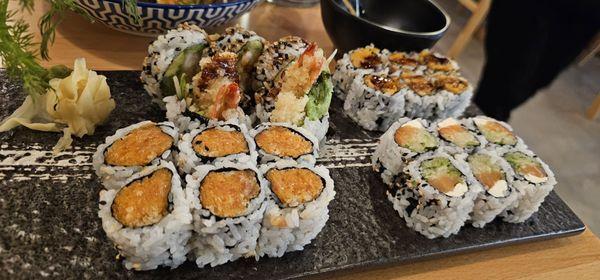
451, 130
367, 57
443, 176
452, 84
413, 136
436, 62
226, 194
489, 174
282, 141
403, 59
420, 85
495, 132
527, 167
139, 147
143, 202
215, 143
295, 186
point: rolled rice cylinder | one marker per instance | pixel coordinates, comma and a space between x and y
402, 142
227, 202
148, 218
435, 194
360, 61
496, 177
167, 57
499, 135
132, 149
277, 141
297, 209
533, 181
375, 100
219, 141
456, 136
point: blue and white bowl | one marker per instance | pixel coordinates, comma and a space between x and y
157, 19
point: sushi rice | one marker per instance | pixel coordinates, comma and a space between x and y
160, 244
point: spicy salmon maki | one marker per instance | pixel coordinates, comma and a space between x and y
297, 209
227, 201
149, 202
131, 149
219, 141
275, 141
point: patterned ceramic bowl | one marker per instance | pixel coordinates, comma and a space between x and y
158, 18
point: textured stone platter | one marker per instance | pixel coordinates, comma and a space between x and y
49, 224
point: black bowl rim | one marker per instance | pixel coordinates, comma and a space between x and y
398, 30
187, 7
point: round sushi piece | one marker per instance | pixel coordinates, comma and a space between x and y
496, 177
402, 62
499, 135
294, 85
375, 100
533, 180
456, 136
436, 97
248, 46
227, 201
132, 149
216, 94
436, 62
148, 218
359, 61
172, 61
297, 209
435, 194
276, 141
219, 141
402, 142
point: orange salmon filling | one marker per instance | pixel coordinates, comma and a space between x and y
139, 147
215, 142
295, 186
532, 169
458, 135
444, 183
145, 201
283, 142
489, 179
227, 193
496, 130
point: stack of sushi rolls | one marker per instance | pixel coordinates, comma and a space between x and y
379, 87
365, 60
228, 202
297, 208
501, 176
217, 141
278, 141
293, 85
132, 149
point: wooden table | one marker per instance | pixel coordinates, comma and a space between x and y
576, 257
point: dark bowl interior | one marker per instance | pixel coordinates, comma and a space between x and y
407, 25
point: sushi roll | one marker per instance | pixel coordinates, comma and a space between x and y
148, 218
499, 135
276, 141
437, 63
457, 137
435, 194
496, 177
133, 148
216, 94
402, 142
405, 63
359, 61
375, 100
533, 180
248, 46
227, 202
297, 209
219, 141
294, 85
172, 61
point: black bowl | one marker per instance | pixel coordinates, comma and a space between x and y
406, 25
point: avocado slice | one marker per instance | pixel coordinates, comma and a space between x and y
185, 65
247, 57
319, 97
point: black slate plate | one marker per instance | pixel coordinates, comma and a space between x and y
48, 205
